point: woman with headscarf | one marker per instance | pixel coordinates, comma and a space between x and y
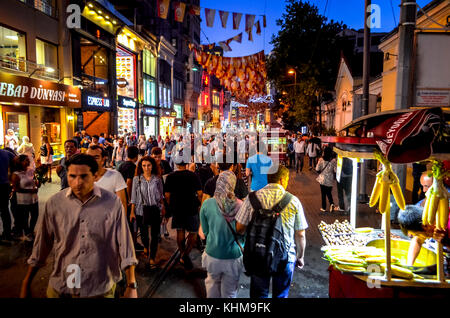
26, 148
11, 141
223, 255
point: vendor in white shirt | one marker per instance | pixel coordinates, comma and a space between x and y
108, 179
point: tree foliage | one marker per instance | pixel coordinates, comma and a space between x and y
307, 43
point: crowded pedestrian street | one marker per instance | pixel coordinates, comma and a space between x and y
214, 157
311, 282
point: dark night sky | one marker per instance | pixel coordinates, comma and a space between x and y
348, 11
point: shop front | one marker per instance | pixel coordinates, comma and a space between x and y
126, 115
150, 116
167, 122
34, 108
95, 115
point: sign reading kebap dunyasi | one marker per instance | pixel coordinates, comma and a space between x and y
24, 90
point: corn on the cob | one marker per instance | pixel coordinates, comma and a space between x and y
398, 195
442, 216
399, 271
384, 196
350, 268
380, 260
375, 192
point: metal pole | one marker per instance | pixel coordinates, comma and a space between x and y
406, 28
363, 197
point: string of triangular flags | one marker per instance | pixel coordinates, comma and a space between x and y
224, 44
210, 14
243, 76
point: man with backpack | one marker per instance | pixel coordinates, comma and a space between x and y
275, 224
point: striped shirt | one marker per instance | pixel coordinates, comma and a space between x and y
146, 193
293, 217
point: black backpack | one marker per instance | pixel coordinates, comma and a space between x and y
265, 252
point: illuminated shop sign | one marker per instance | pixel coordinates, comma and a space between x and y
149, 111
97, 101
127, 102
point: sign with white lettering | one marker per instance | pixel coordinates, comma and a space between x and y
126, 102
24, 90
149, 111
95, 103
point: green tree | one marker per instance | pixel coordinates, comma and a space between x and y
307, 43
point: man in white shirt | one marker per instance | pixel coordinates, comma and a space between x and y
299, 148
312, 151
108, 179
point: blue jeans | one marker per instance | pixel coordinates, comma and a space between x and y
259, 285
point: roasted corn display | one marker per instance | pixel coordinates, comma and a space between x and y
385, 183
435, 210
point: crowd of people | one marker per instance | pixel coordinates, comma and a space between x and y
136, 186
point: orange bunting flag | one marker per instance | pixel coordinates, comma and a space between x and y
249, 21
224, 18
236, 20
163, 8
258, 28
179, 8
194, 10
210, 14
238, 38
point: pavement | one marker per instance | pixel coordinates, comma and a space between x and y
309, 282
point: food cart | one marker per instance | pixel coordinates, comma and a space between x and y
363, 141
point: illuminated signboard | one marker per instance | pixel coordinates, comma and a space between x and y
149, 111
127, 102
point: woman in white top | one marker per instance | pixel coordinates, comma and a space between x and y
312, 150
26, 148
11, 141
27, 198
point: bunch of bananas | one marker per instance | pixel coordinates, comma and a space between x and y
386, 182
435, 210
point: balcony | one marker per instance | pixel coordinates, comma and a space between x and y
43, 6
28, 68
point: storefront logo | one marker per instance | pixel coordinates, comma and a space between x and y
122, 82
126, 102
149, 111
97, 101
19, 89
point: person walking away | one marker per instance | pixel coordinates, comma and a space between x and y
6, 161
326, 167
168, 147
70, 148
183, 192
26, 148
119, 153
299, 149
142, 145
240, 189
101, 139
26, 191
257, 168
108, 179
222, 257
290, 153
128, 169
11, 140
47, 156
78, 139
109, 147
312, 150
294, 226
147, 204
86, 227
344, 185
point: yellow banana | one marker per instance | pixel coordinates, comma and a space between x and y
384, 195
442, 215
398, 195
425, 210
375, 192
432, 209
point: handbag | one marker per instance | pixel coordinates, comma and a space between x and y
148, 211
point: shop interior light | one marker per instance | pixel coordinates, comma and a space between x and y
50, 69
107, 17
90, 5
114, 22
99, 12
105, 95
16, 103
70, 118
12, 37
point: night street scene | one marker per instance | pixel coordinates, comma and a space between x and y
183, 152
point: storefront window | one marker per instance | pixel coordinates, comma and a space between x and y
18, 122
51, 124
149, 63
12, 49
46, 54
150, 126
126, 72
149, 91
94, 66
179, 110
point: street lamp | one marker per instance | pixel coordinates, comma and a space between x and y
293, 71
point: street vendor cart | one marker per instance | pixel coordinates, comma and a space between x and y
369, 262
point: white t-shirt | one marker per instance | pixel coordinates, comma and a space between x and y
299, 147
111, 181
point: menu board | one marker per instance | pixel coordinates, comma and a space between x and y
127, 120
125, 68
